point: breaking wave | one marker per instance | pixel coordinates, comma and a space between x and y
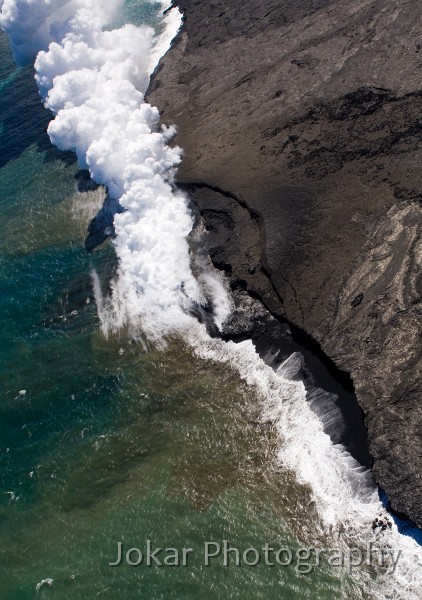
346, 498
93, 78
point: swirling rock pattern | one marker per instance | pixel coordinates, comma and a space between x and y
309, 114
376, 334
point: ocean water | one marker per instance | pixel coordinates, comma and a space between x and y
103, 441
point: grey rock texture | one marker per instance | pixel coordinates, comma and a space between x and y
301, 125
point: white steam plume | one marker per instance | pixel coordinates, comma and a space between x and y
94, 82
33, 24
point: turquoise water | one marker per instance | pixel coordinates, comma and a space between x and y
140, 12
101, 442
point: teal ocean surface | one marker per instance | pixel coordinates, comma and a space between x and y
102, 442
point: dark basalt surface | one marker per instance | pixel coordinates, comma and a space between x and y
301, 123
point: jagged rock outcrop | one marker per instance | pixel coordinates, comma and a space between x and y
301, 124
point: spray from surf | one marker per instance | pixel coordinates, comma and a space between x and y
94, 81
344, 493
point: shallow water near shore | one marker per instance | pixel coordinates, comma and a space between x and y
102, 442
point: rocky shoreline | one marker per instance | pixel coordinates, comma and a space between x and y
300, 122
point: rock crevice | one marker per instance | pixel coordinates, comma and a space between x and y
308, 112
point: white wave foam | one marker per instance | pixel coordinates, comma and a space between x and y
345, 495
171, 26
323, 404
291, 366
340, 485
94, 82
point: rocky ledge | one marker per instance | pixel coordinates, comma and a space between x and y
301, 123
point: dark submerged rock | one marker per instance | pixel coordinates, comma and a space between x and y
101, 228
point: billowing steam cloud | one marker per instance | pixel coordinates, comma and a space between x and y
94, 82
34, 24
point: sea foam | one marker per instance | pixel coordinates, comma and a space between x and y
345, 496
94, 80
